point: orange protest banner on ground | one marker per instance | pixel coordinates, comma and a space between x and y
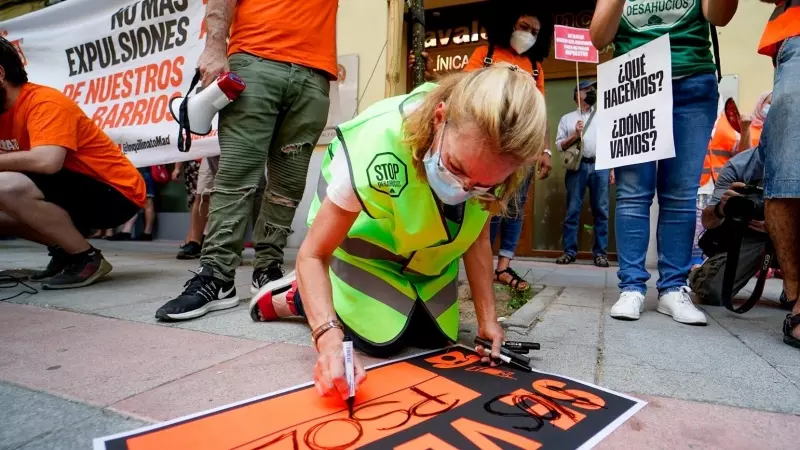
442, 400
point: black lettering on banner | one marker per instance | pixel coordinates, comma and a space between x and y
634, 134
131, 42
124, 17
634, 83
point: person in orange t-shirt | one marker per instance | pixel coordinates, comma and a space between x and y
60, 176
285, 51
521, 37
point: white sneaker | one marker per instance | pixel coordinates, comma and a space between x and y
679, 305
629, 306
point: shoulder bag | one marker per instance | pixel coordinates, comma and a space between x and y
571, 156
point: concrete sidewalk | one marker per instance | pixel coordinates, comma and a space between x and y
85, 363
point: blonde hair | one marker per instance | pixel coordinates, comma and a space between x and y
506, 107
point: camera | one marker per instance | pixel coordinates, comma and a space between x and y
747, 206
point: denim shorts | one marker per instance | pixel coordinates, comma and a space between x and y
149, 182
780, 139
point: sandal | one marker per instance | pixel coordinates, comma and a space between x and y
566, 258
515, 281
788, 324
601, 261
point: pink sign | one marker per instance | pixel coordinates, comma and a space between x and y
574, 44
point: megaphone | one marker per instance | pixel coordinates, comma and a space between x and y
194, 113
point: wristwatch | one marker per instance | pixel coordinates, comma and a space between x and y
322, 329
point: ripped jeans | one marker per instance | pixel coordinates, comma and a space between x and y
276, 121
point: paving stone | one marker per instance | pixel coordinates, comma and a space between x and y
674, 424
237, 322
761, 330
657, 342
27, 415
790, 372
769, 394
99, 360
575, 361
567, 324
79, 436
138, 312
586, 297
257, 373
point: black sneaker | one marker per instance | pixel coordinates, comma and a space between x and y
263, 276
190, 250
58, 261
81, 270
203, 294
601, 261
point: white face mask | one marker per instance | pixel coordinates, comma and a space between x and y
765, 110
522, 41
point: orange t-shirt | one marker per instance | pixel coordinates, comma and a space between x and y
506, 56
44, 116
755, 135
292, 31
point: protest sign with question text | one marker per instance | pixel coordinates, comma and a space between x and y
634, 107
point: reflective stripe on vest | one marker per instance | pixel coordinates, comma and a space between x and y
372, 286
783, 24
375, 287
723, 139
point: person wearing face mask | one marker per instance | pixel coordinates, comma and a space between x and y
406, 190
520, 37
756, 120
578, 127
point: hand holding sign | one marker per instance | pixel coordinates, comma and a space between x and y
635, 113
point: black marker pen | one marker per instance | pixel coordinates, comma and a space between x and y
349, 373
508, 360
521, 346
524, 360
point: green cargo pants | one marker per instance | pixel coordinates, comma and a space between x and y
276, 121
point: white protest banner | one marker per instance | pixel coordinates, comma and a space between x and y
122, 61
634, 107
574, 44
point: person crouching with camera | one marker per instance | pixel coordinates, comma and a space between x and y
735, 210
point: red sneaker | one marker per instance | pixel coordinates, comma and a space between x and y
275, 300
